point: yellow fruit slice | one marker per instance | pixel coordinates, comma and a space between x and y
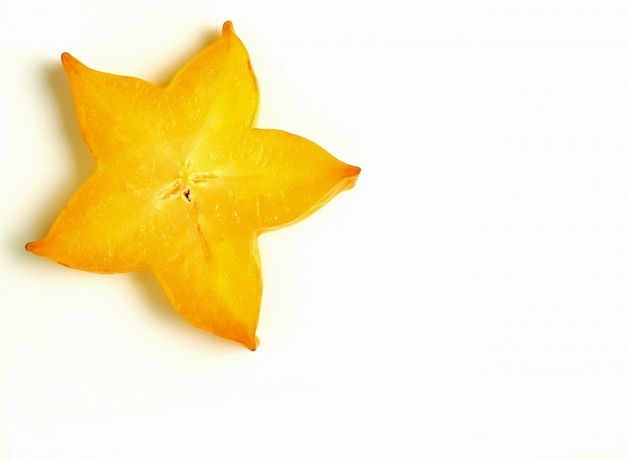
185, 184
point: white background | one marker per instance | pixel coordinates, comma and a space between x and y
466, 300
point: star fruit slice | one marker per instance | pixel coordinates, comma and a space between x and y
185, 184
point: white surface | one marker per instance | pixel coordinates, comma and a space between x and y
466, 300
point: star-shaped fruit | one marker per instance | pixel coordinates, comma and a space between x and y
185, 184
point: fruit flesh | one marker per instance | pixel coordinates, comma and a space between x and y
185, 184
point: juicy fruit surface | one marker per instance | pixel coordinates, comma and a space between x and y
185, 184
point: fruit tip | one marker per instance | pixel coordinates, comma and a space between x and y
68, 61
228, 29
350, 176
352, 172
32, 246
252, 346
